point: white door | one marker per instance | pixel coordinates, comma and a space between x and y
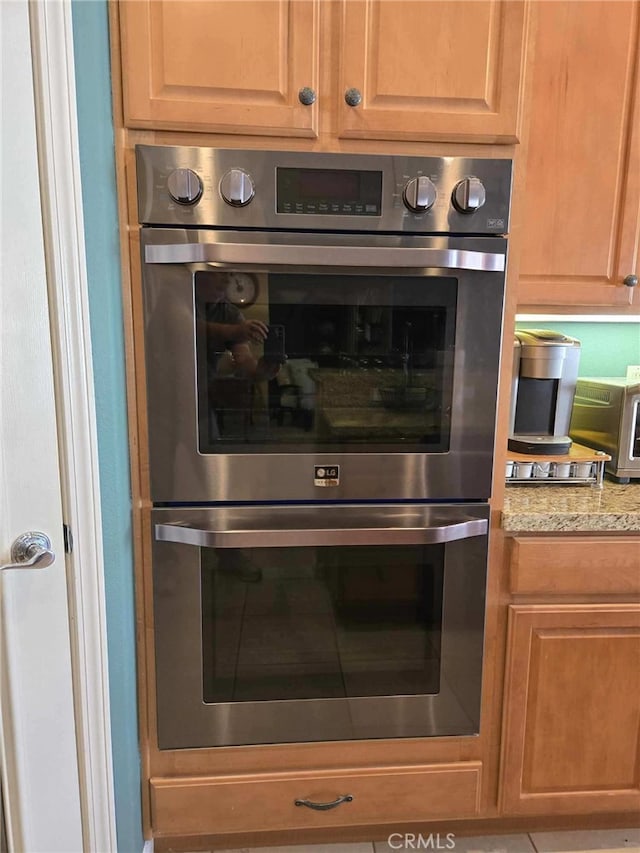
38, 733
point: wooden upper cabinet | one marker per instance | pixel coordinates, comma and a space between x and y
224, 65
580, 231
571, 729
450, 70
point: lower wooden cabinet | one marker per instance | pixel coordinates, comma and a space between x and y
263, 802
571, 730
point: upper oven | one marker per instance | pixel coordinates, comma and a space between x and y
321, 326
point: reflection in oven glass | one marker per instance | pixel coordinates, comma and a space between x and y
339, 360
308, 623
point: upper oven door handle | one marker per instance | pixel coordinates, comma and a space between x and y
256, 538
235, 254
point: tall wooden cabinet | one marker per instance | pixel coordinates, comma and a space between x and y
451, 70
581, 226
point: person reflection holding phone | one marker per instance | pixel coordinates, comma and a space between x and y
233, 369
229, 336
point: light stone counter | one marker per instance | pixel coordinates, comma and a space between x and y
542, 509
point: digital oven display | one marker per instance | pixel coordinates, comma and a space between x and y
332, 192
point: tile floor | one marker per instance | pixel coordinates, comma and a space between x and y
596, 841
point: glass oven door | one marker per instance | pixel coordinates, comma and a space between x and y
271, 356
292, 624
350, 363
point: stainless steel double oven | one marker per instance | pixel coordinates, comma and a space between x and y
322, 339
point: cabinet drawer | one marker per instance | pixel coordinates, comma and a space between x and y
248, 803
575, 564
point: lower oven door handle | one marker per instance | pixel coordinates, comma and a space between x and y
232, 254
271, 538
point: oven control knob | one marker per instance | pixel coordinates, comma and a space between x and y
419, 194
469, 195
237, 188
184, 186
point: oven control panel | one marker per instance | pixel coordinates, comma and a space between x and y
328, 192
310, 191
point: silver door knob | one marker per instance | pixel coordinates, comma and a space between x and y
31, 551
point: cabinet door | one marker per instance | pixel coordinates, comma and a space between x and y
221, 65
572, 710
582, 200
450, 70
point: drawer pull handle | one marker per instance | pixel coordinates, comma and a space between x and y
323, 807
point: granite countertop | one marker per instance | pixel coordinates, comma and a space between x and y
540, 509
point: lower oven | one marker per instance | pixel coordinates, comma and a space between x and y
313, 623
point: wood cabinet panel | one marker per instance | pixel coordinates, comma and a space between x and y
572, 709
450, 70
582, 198
575, 565
219, 805
220, 66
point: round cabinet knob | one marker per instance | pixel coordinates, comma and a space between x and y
469, 195
307, 96
353, 97
237, 188
419, 194
184, 186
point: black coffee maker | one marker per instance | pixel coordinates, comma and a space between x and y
545, 371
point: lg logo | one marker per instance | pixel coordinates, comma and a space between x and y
330, 473
327, 475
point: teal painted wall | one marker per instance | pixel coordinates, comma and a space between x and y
93, 85
606, 348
